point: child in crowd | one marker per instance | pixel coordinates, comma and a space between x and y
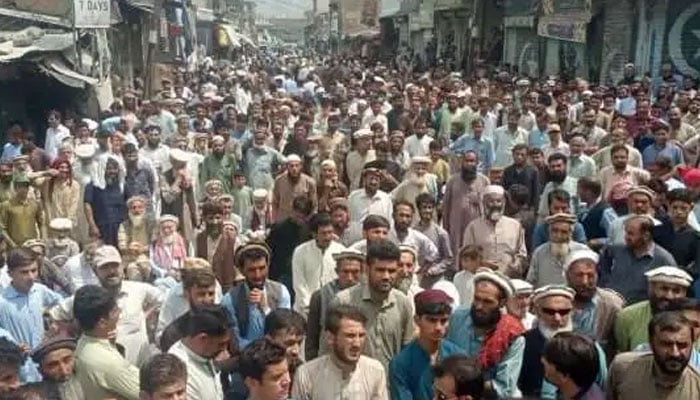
470, 259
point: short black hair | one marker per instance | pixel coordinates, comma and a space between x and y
591, 184
129, 147
575, 356
619, 147
468, 377
19, 257
519, 194
557, 157
160, 371
382, 250
212, 208
425, 199
406, 203
343, 311
283, 319
684, 195
258, 356
10, 354
559, 195
319, 220
211, 320
518, 147
667, 321
92, 303
303, 205
373, 221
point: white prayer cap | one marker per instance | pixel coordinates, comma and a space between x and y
328, 163
420, 160
409, 249
586, 93
91, 124
168, 218
363, 133
495, 189
179, 155
495, 277
85, 151
279, 77
553, 290
61, 224
293, 158
218, 139
379, 79
523, 82
578, 255
521, 286
668, 274
260, 193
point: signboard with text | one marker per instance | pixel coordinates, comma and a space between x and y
92, 13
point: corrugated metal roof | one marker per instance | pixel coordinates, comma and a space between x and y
18, 17
48, 43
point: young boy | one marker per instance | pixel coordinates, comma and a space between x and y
427, 207
470, 259
438, 166
242, 198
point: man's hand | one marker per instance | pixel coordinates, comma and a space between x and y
255, 296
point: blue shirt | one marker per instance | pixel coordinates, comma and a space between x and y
10, 151
256, 319
482, 147
13, 325
538, 138
31, 306
653, 151
410, 372
549, 391
541, 234
504, 376
108, 204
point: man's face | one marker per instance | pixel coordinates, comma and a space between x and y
324, 235
558, 207
674, 116
589, 118
382, 274
634, 237
577, 145
554, 312
661, 136
213, 345
672, 350
255, 272
201, 295
679, 211
349, 272
432, 327
619, 159
176, 391
21, 190
110, 274
560, 232
137, 208
112, 170
290, 340
557, 166
662, 293
694, 106
583, 278
639, 204
486, 307
294, 169
6, 173
426, 211
445, 388
348, 342
9, 378
372, 181
214, 222
23, 277
407, 264
153, 137
519, 305
218, 147
340, 218
274, 383
167, 228
403, 218
58, 365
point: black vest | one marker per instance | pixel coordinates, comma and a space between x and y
530, 381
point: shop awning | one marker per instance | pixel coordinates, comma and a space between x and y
55, 66
50, 42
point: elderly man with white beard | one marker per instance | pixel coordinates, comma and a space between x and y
169, 250
501, 238
417, 181
553, 307
547, 261
137, 227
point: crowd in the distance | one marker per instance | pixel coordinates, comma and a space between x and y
279, 228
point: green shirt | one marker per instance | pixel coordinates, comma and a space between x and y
20, 220
631, 326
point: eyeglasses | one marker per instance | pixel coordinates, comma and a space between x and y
551, 311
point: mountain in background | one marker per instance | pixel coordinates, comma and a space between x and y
283, 8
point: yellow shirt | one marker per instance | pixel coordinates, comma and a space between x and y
441, 169
103, 373
20, 220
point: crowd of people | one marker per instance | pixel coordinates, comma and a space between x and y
344, 230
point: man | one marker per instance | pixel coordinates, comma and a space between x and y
679, 130
357, 158
217, 246
556, 144
250, 301
522, 173
388, 310
571, 364
56, 363
134, 299
289, 185
662, 148
287, 328
417, 181
49, 273
595, 309
21, 218
163, 377
505, 139
475, 141
493, 338
593, 134
558, 179
618, 137
553, 307
348, 269
665, 284
265, 371
501, 238
199, 287
620, 170
227, 203
559, 201
259, 217
56, 133
623, 268
307, 275
140, 179
591, 215
546, 262
101, 370
458, 377
580, 165
403, 234
369, 199
461, 202
205, 338
410, 372
104, 202
155, 151
168, 251
11, 359
329, 186
426, 206
664, 372
345, 373
519, 304
346, 232
692, 117
418, 143
138, 227
640, 202
218, 165
675, 234
390, 172
177, 189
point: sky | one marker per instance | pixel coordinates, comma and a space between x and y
283, 8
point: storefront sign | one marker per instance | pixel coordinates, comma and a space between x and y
562, 29
92, 13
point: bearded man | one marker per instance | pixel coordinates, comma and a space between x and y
547, 261
169, 249
553, 307
462, 200
418, 181
261, 161
137, 227
105, 207
177, 193
501, 238
218, 165
57, 366
217, 247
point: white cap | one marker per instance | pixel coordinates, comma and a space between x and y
106, 255
668, 274
260, 193
521, 286
553, 290
420, 160
496, 278
179, 155
91, 124
363, 133
328, 162
168, 218
495, 189
578, 255
349, 253
85, 150
61, 224
293, 158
